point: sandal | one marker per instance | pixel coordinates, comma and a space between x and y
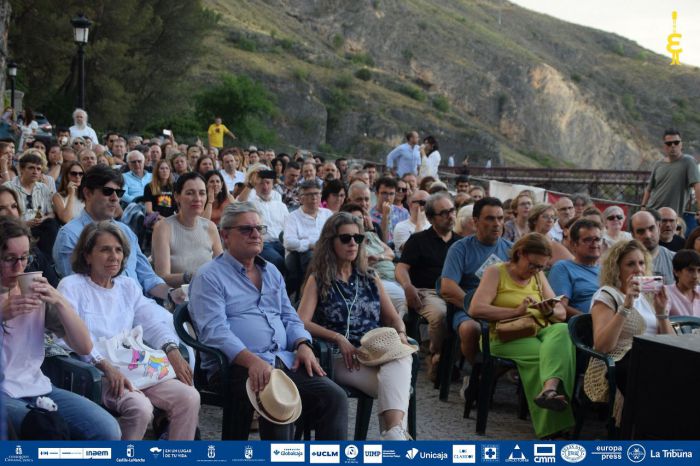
550, 399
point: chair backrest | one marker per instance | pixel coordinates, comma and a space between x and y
685, 324
581, 330
183, 321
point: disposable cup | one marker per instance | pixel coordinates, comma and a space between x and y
186, 290
26, 280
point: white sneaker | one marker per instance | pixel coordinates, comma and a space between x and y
463, 388
395, 433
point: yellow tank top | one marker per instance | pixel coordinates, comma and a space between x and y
510, 294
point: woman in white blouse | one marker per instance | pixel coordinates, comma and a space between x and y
110, 303
430, 158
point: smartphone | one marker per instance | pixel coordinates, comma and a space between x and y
551, 301
650, 284
167, 132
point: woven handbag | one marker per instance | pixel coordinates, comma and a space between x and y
521, 326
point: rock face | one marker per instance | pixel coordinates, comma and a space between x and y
5, 10
489, 80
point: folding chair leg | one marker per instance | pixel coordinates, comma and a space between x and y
472, 389
523, 410
412, 427
445, 375
484, 397
364, 414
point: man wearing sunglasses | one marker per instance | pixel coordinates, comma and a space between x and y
100, 190
239, 305
421, 265
672, 177
416, 222
577, 279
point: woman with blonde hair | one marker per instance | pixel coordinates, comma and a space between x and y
620, 311
546, 361
158, 194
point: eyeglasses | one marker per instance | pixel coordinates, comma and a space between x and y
402, 190
591, 240
672, 143
668, 220
389, 194
420, 202
76, 173
524, 204
316, 194
536, 267
346, 238
136, 161
615, 217
247, 230
548, 217
107, 191
446, 212
11, 261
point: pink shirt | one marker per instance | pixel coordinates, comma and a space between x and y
680, 305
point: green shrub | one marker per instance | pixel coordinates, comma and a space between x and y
343, 81
441, 103
364, 74
338, 41
413, 92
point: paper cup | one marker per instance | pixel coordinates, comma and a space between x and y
26, 280
186, 290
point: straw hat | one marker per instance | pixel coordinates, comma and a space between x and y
382, 345
279, 402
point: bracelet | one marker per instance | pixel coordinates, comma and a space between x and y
187, 277
661, 316
401, 331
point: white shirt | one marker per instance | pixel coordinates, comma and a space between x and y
274, 195
429, 165
231, 181
556, 233
301, 230
403, 230
109, 311
86, 132
274, 214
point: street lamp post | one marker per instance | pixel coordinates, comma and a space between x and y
81, 29
12, 73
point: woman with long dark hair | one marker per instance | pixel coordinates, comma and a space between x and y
66, 204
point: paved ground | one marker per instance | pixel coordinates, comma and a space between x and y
438, 420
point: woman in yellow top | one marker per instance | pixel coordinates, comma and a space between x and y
546, 362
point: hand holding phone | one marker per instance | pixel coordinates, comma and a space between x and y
550, 301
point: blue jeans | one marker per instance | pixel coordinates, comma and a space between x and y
86, 420
273, 251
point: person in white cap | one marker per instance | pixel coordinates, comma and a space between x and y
239, 305
344, 302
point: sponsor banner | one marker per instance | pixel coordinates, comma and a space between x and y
491, 452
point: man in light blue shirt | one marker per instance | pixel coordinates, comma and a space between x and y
100, 190
239, 305
406, 157
577, 280
137, 178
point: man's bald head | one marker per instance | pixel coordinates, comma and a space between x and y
645, 229
669, 222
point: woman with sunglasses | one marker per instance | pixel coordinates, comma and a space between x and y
614, 219
344, 299
66, 204
25, 316
541, 220
401, 198
185, 241
546, 362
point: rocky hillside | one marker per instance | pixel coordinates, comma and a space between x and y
487, 78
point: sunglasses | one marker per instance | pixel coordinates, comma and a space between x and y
402, 190
615, 217
78, 143
346, 238
247, 230
420, 202
107, 191
535, 267
76, 173
446, 212
672, 143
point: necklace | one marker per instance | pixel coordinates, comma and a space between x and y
348, 307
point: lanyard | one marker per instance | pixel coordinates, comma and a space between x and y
350, 306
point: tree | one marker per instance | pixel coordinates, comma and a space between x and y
244, 106
137, 61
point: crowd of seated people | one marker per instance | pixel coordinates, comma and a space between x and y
237, 232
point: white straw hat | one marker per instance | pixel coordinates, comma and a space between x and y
279, 402
382, 345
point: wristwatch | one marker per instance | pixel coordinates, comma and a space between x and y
624, 311
304, 342
170, 346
